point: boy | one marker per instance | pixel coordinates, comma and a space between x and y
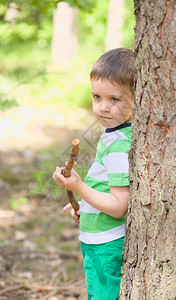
105, 190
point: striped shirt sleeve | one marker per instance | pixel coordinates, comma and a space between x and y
116, 163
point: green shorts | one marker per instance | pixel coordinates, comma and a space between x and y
102, 268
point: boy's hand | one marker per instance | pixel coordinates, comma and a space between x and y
70, 183
75, 216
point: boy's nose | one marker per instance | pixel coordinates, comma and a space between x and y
104, 106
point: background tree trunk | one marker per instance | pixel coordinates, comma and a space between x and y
149, 270
114, 24
65, 40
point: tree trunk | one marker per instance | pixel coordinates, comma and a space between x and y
114, 24
12, 13
65, 40
149, 270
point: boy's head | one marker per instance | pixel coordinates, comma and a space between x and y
112, 79
116, 66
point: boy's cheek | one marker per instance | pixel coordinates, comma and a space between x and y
95, 108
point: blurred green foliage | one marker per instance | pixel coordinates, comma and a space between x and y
45, 186
27, 74
16, 203
5, 104
129, 24
26, 52
45, 5
92, 26
9, 177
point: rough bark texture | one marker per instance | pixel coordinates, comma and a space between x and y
149, 270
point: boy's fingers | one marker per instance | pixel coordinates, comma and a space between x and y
62, 170
58, 177
67, 207
75, 216
76, 219
57, 169
56, 172
59, 172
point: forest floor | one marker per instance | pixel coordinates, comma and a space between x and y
40, 255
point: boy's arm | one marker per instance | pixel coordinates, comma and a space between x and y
114, 204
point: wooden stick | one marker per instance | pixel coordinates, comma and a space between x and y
37, 288
41, 288
73, 158
67, 172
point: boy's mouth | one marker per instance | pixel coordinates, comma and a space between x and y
104, 117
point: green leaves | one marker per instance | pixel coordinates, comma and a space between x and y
45, 5
85, 5
5, 104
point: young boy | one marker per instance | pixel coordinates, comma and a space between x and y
105, 190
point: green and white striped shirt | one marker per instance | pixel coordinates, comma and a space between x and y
110, 168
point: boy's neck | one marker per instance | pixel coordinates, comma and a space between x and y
118, 127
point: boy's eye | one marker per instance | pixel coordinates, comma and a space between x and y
96, 97
113, 99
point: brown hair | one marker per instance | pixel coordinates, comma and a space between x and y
116, 66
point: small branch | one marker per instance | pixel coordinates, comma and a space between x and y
73, 201
37, 288
73, 158
67, 172
47, 288
39, 253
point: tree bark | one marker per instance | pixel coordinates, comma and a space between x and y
149, 270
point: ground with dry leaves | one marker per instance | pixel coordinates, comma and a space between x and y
40, 255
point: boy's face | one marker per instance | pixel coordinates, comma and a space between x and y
112, 103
